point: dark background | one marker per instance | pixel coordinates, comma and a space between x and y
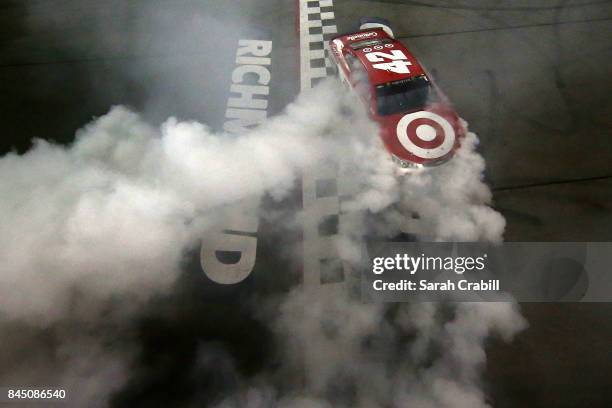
532, 78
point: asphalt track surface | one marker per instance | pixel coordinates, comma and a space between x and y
531, 77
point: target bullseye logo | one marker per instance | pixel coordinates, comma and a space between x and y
426, 135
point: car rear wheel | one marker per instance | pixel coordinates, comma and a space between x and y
376, 22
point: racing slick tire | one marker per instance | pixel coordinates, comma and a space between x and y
376, 22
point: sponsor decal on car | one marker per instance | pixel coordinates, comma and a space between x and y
426, 135
398, 61
362, 35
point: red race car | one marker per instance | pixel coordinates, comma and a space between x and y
417, 123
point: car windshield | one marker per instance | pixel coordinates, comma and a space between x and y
402, 96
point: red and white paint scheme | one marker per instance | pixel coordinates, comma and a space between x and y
417, 124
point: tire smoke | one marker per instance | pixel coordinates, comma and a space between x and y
92, 232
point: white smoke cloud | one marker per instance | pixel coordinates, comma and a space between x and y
452, 199
407, 355
93, 230
90, 232
341, 352
113, 213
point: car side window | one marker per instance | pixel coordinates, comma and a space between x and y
361, 82
351, 61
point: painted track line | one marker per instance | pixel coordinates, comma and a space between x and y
320, 189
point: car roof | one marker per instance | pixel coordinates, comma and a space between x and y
380, 76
